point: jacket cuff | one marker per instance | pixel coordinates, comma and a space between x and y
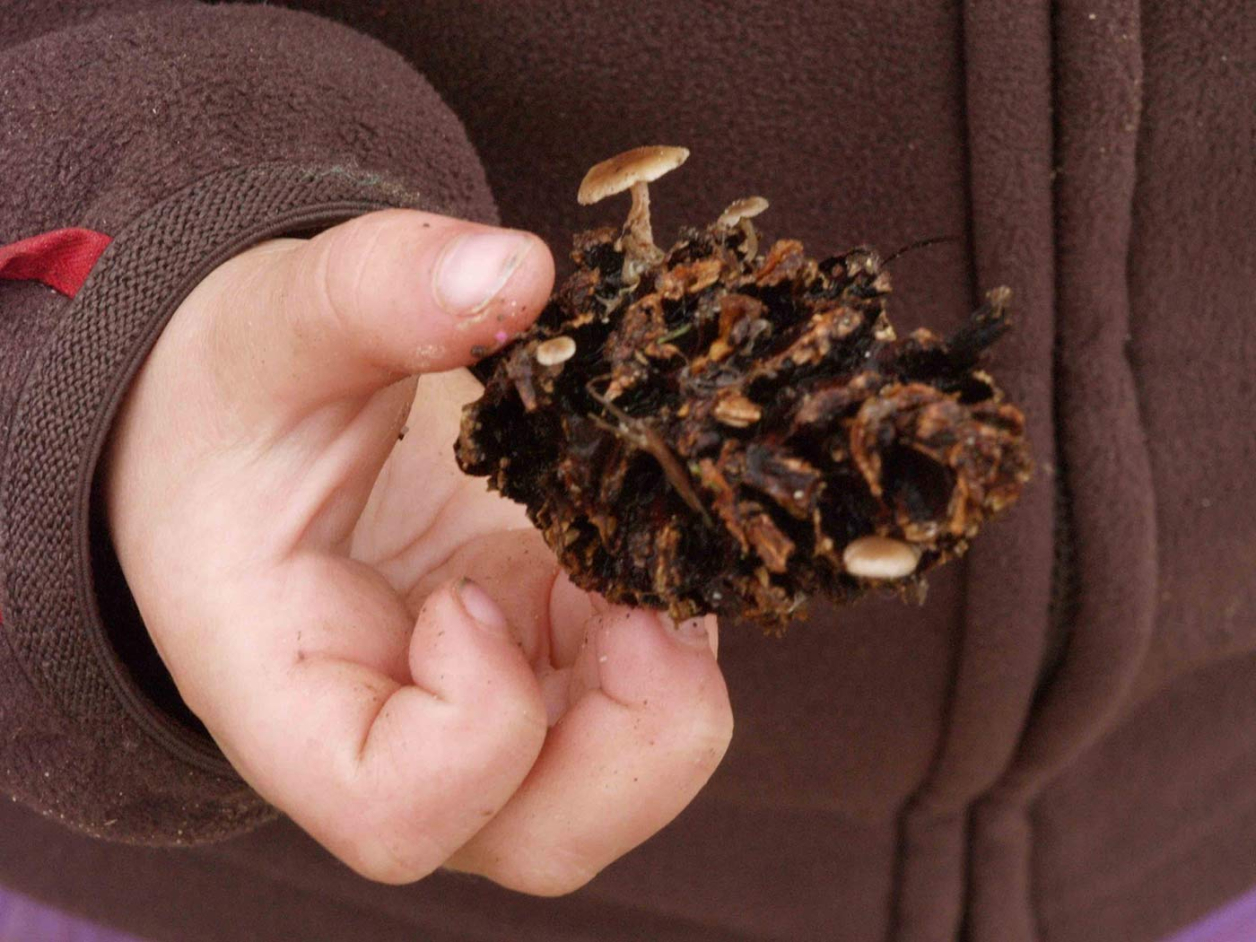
92, 745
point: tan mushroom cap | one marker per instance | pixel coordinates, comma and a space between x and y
880, 557
555, 350
741, 209
618, 173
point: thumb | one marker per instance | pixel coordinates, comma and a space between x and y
377, 298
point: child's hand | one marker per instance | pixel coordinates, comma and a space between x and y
303, 573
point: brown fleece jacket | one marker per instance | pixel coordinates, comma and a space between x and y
1060, 745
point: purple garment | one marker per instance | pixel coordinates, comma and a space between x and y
1234, 922
24, 920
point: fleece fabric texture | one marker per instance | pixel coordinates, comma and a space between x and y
113, 124
1060, 745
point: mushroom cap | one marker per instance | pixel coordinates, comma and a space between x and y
741, 209
618, 173
555, 350
880, 557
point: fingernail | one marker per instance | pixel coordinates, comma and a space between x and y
474, 267
482, 608
692, 632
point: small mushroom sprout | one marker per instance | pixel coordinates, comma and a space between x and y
738, 214
880, 557
556, 350
746, 208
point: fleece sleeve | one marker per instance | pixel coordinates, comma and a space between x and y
175, 134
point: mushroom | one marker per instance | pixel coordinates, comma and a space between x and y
739, 213
741, 209
632, 169
556, 350
880, 557
737, 411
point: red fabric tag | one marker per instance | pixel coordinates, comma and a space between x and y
61, 259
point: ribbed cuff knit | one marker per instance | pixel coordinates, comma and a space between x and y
91, 745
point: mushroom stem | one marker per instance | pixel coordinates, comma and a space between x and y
750, 244
639, 215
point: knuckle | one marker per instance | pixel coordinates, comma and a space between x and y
554, 885
336, 277
339, 272
553, 873
515, 730
377, 858
708, 734
397, 842
499, 712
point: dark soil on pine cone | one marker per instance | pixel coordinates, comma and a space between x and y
728, 428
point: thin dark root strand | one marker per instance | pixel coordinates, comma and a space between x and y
920, 244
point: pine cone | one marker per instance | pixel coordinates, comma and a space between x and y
712, 429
